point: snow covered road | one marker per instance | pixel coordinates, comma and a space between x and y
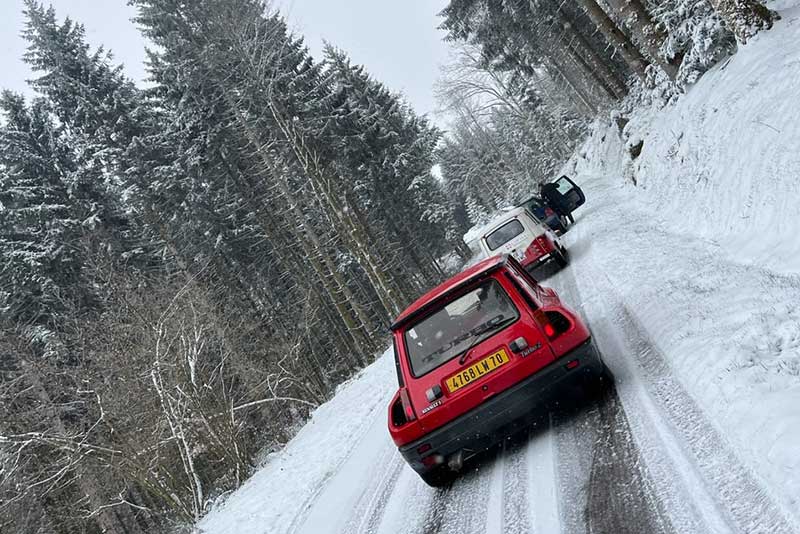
650, 456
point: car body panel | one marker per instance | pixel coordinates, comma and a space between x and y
534, 367
466, 398
517, 405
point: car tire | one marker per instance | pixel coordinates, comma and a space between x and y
562, 257
438, 478
601, 382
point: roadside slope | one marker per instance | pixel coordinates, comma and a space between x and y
723, 163
282, 490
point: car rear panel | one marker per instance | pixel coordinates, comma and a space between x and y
433, 414
479, 428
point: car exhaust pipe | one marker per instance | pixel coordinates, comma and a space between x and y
456, 461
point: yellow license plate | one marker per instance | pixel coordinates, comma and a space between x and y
477, 370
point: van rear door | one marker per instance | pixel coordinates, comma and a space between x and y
512, 237
573, 195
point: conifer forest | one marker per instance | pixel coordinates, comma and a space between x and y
188, 268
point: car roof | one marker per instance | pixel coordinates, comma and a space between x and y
460, 280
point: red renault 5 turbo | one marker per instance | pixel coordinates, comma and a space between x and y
477, 355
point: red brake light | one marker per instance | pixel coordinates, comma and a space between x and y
549, 330
407, 408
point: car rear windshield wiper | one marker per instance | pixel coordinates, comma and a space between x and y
491, 324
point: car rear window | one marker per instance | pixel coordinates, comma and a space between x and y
504, 234
457, 326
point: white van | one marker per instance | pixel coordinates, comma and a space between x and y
519, 233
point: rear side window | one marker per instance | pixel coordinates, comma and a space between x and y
458, 325
504, 234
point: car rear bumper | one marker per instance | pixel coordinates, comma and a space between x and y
497, 417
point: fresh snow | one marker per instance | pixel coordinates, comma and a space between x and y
690, 281
286, 485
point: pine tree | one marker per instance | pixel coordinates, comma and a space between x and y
745, 18
696, 37
41, 221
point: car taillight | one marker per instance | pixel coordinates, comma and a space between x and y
556, 324
543, 243
408, 410
402, 412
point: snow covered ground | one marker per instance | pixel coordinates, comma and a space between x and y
690, 281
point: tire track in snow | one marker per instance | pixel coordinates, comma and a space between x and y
544, 509
719, 492
737, 491
435, 516
463, 506
573, 435
621, 497
618, 493
516, 503
368, 512
363, 429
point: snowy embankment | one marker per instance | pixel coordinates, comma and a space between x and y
703, 251
690, 280
284, 487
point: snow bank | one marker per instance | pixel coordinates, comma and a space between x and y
724, 162
279, 491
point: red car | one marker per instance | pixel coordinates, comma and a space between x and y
478, 355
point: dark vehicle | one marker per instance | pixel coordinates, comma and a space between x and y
478, 354
544, 213
563, 196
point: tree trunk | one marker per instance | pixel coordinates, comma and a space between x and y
649, 36
579, 75
584, 53
351, 232
594, 67
745, 18
312, 247
582, 101
615, 37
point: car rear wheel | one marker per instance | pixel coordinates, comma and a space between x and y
598, 384
562, 257
438, 477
